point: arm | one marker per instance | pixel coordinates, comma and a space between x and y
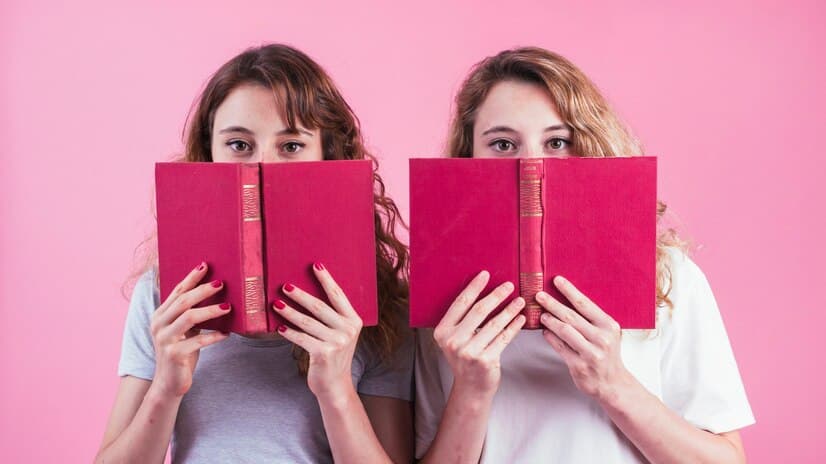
142, 419
473, 354
588, 340
392, 420
330, 334
139, 426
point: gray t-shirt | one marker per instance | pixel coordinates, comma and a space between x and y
248, 402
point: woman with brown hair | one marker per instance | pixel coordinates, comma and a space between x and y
581, 390
305, 394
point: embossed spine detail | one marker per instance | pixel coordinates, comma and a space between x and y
250, 202
252, 264
531, 211
253, 294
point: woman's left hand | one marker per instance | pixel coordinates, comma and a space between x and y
587, 339
329, 334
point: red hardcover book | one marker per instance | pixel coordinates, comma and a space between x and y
591, 220
261, 225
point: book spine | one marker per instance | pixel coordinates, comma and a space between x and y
252, 263
531, 211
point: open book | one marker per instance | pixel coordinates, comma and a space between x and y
591, 220
261, 225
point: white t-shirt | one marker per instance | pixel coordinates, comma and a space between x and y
539, 415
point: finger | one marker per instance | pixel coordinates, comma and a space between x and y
318, 308
565, 352
465, 300
192, 317
309, 343
303, 322
568, 316
497, 324
188, 283
189, 299
582, 303
571, 336
192, 344
504, 338
477, 314
334, 292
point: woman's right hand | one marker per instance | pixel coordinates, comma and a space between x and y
177, 342
472, 351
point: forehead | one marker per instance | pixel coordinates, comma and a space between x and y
251, 106
519, 105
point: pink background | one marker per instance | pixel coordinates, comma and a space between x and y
731, 96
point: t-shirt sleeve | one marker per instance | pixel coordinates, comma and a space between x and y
430, 397
137, 355
700, 378
392, 376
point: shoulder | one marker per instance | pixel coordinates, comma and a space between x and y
145, 295
684, 275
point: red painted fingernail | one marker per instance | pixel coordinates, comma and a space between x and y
215, 283
288, 287
318, 266
201, 267
224, 306
279, 304
282, 328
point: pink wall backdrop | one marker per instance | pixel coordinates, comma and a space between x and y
730, 95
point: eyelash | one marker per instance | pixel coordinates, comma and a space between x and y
494, 144
233, 144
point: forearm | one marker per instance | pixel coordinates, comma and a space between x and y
146, 438
462, 429
660, 434
351, 436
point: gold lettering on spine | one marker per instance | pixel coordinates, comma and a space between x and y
254, 294
530, 252
250, 202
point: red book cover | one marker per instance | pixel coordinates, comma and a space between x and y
261, 225
592, 220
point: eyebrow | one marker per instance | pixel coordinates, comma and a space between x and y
244, 130
507, 129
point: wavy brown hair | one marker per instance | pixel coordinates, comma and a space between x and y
596, 131
307, 96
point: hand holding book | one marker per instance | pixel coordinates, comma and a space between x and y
177, 342
587, 339
471, 348
329, 333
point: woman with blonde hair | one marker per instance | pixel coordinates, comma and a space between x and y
309, 393
581, 390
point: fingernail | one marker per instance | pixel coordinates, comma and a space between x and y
509, 285
282, 328
216, 283
279, 304
559, 279
224, 306
541, 296
544, 316
520, 302
318, 266
289, 287
201, 267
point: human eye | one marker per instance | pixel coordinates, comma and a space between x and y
292, 147
558, 143
239, 146
502, 145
